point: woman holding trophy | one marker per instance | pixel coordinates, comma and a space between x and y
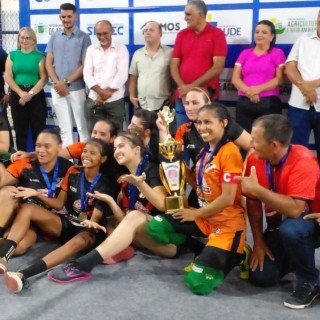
220, 216
188, 134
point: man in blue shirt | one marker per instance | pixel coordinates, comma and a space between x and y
65, 56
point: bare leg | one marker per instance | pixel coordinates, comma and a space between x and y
26, 243
46, 220
8, 205
143, 240
134, 223
79, 242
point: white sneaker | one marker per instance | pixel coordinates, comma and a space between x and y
14, 281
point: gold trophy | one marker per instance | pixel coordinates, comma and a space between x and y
173, 171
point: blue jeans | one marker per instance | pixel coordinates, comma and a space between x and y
293, 246
303, 121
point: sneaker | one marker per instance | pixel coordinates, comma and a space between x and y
123, 255
302, 296
3, 265
14, 281
245, 263
188, 268
68, 273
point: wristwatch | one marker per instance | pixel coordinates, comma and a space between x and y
67, 82
31, 92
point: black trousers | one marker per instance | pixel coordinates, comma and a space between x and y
248, 111
33, 114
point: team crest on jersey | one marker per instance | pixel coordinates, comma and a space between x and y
205, 189
139, 206
73, 189
210, 166
77, 206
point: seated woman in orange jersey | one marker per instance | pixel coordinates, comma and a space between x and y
82, 226
45, 172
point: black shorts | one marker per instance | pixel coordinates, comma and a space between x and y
188, 228
69, 230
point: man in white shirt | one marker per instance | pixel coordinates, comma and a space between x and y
150, 82
303, 70
105, 72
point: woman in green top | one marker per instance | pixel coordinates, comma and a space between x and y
26, 76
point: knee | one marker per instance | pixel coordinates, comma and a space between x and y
135, 218
162, 231
295, 229
203, 280
27, 210
5, 194
266, 278
80, 242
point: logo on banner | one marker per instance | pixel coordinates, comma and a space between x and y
294, 25
210, 19
50, 29
231, 31
280, 29
167, 27
118, 29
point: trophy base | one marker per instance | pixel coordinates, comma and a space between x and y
174, 203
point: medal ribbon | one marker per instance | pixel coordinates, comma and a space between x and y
202, 164
133, 190
51, 186
271, 170
83, 192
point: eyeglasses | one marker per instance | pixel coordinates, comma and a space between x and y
25, 38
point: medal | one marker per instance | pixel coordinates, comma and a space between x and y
82, 216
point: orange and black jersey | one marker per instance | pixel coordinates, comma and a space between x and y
189, 136
110, 169
27, 172
72, 185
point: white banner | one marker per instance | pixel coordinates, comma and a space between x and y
45, 25
120, 24
158, 3
227, 1
172, 23
237, 31
287, 0
103, 4
291, 23
47, 4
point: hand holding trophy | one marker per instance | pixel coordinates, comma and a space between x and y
172, 170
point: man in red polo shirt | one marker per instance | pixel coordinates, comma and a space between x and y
280, 182
198, 56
